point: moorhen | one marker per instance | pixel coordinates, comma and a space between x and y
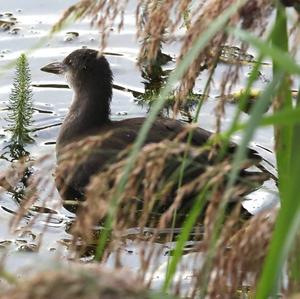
89, 75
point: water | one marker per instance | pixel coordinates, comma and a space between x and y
34, 20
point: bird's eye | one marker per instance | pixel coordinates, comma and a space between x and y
68, 61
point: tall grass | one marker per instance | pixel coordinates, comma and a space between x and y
175, 76
285, 119
288, 161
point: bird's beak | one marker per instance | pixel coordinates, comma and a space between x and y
54, 67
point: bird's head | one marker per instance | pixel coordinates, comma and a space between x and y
82, 68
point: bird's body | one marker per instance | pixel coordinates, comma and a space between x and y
90, 77
121, 135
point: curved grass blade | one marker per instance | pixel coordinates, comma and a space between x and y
288, 159
256, 114
289, 116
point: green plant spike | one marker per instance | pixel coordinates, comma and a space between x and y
20, 106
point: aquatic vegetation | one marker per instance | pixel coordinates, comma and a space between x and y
20, 108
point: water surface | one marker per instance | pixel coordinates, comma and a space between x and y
34, 21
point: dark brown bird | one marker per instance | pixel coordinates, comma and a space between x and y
90, 77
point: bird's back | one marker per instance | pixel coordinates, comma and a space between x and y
104, 144
120, 135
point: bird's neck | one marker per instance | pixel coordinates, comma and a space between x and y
92, 105
89, 111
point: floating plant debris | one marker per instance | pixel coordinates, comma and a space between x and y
5, 244
234, 55
51, 85
43, 111
236, 97
28, 248
113, 54
6, 25
8, 14
122, 113
71, 36
15, 30
50, 143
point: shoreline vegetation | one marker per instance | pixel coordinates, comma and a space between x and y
242, 255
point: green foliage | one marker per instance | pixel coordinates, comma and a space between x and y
288, 160
20, 104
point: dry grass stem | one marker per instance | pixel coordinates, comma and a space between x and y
240, 254
152, 187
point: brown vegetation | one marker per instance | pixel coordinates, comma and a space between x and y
79, 282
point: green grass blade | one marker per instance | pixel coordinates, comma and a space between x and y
287, 226
256, 114
289, 116
288, 160
234, 126
255, 118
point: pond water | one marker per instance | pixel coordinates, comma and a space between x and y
33, 22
